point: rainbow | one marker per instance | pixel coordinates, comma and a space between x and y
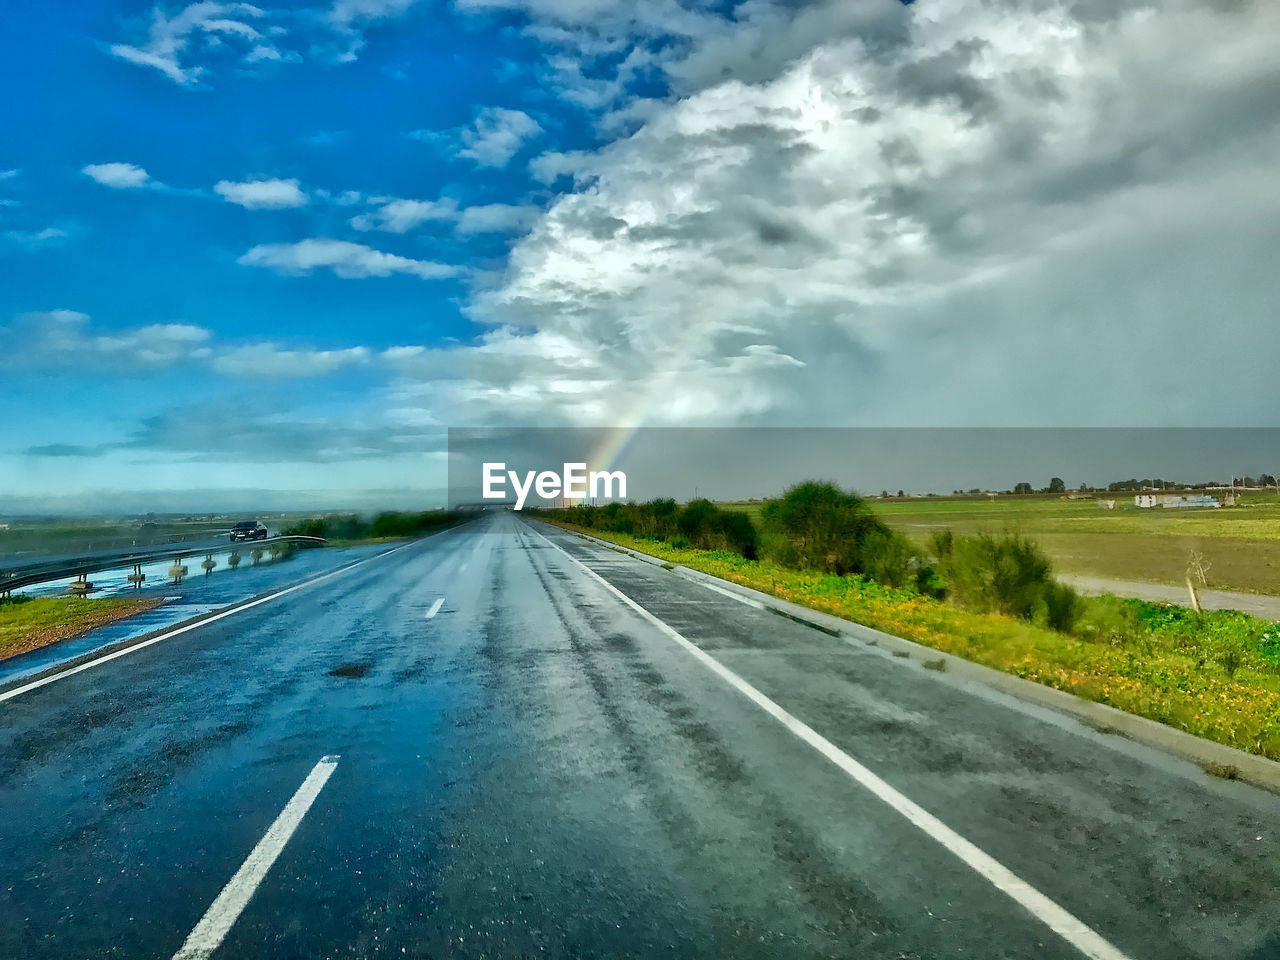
611, 448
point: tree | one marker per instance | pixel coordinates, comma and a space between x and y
1056, 485
1023, 487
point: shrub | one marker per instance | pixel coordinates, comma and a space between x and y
888, 558
1008, 574
929, 582
390, 523
1110, 621
658, 519
699, 524
739, 533
818, 526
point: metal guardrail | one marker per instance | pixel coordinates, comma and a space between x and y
62, 568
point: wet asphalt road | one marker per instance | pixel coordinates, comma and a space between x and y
538, 770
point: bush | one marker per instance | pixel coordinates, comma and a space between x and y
888, 558
1110, 621
739, 533
699, 524
390, 523
818, 526
1007, 574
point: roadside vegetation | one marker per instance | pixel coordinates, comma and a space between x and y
990, 598
26, 537
1240, 544
344, 529
27, 623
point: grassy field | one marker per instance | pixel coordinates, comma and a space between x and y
1180, 672
56, 535
74, 535
1241, 544
26, 624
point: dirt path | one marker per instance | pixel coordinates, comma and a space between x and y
1256, 604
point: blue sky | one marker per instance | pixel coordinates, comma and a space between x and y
332, 126
135, 251
277, 249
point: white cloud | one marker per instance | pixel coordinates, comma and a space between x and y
174, 45
347, 198
9, 174
272, 362
68, 339
34, 239
497, 218
548, 167
365, 11
65, 338
400, 215
189, 45
397, 215
981, 213
493, 138
349, 19
572, 12
497, 136
347, 260
264, 54
1006, 211
119, 176
262, 194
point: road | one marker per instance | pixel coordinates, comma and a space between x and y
495, 743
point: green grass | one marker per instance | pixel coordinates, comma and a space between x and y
1154, 661
28, 537
1241, 544
26, 624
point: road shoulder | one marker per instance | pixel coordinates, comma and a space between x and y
1206, 754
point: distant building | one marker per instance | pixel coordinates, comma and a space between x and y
1174, 501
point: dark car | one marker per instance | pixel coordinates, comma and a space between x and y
248, 530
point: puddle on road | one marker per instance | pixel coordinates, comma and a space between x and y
193, 597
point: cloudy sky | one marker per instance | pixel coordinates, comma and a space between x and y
282, 246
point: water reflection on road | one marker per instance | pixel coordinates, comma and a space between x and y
196, 594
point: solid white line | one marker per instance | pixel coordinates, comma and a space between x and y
36, 684
1074, 931
435, 608
226, 909
749, 601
